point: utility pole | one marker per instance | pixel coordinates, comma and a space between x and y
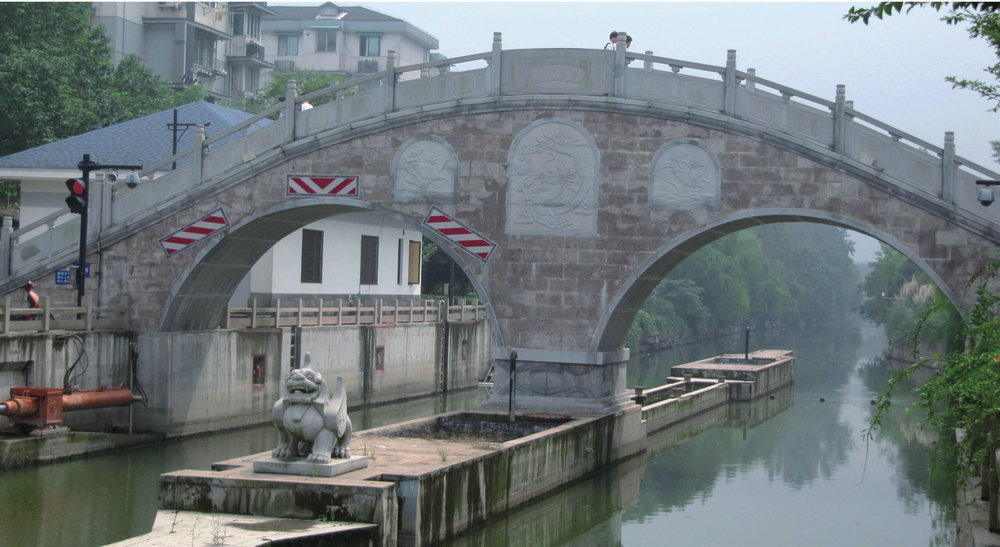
175, 126
78, 202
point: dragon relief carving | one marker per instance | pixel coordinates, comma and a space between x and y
310, 422
552, 179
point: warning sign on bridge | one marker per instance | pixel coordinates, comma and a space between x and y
322, 185
460, 234
195, 232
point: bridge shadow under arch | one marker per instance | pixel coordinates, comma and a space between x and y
199, 298
616, 321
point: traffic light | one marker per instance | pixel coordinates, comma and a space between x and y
77, 198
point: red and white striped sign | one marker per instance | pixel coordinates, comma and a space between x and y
195, 232
460, 234
322, 185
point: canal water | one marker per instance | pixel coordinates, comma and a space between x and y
794, 469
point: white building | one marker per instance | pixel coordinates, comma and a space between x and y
347, 40
229, 48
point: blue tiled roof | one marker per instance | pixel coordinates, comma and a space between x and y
142, 141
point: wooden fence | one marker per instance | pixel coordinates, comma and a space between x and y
380, 312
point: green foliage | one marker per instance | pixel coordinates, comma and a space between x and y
58, 78
900, 297
891, 269
306, 81
10, 195
773, 274
437, 271
964, 388
191, 94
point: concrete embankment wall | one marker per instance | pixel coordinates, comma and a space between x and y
672, 411
210, 380
42, 359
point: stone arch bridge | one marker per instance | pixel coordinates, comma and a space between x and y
566, 183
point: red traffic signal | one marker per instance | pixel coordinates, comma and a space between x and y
77, 199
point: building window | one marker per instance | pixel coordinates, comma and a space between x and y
413, 276
259, 373
326, 40
371, 46
205, 50
246, 24
312, 256
369, 260
288, 44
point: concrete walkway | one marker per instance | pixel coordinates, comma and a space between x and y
172, 528
975, 514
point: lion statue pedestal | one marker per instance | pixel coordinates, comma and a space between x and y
314, 431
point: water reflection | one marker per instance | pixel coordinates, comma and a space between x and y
109, 498
792, 470
805, 475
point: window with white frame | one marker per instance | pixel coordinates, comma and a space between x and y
246, 24
371, 45
288, 44
326, 40
205, 49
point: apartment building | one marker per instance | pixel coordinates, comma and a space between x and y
231, 48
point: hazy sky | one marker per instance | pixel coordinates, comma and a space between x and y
893, 69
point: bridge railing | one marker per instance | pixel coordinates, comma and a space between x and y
640, 80
378, 312
47, 318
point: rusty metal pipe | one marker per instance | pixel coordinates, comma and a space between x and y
101, 398
25, 402
19, 406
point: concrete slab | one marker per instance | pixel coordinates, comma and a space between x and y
171, 528
308, 469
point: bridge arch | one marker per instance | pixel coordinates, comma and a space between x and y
614, 323
198, 298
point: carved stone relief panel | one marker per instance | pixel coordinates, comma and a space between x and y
425, 170
552, 172
684, 175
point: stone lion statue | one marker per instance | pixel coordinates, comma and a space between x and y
310, 422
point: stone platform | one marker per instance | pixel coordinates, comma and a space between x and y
762, 372
307, 469
422, 484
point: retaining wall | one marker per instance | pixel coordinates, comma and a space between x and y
220, 379
42, 359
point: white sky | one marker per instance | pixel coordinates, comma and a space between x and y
893, 69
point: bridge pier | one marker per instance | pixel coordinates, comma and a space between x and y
561, 381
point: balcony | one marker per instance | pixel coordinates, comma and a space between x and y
246, 46
367, 66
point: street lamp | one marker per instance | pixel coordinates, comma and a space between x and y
986, 196
79, 204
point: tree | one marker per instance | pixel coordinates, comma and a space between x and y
983, 20
437, 271
964, 388
306, 81
58, 78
